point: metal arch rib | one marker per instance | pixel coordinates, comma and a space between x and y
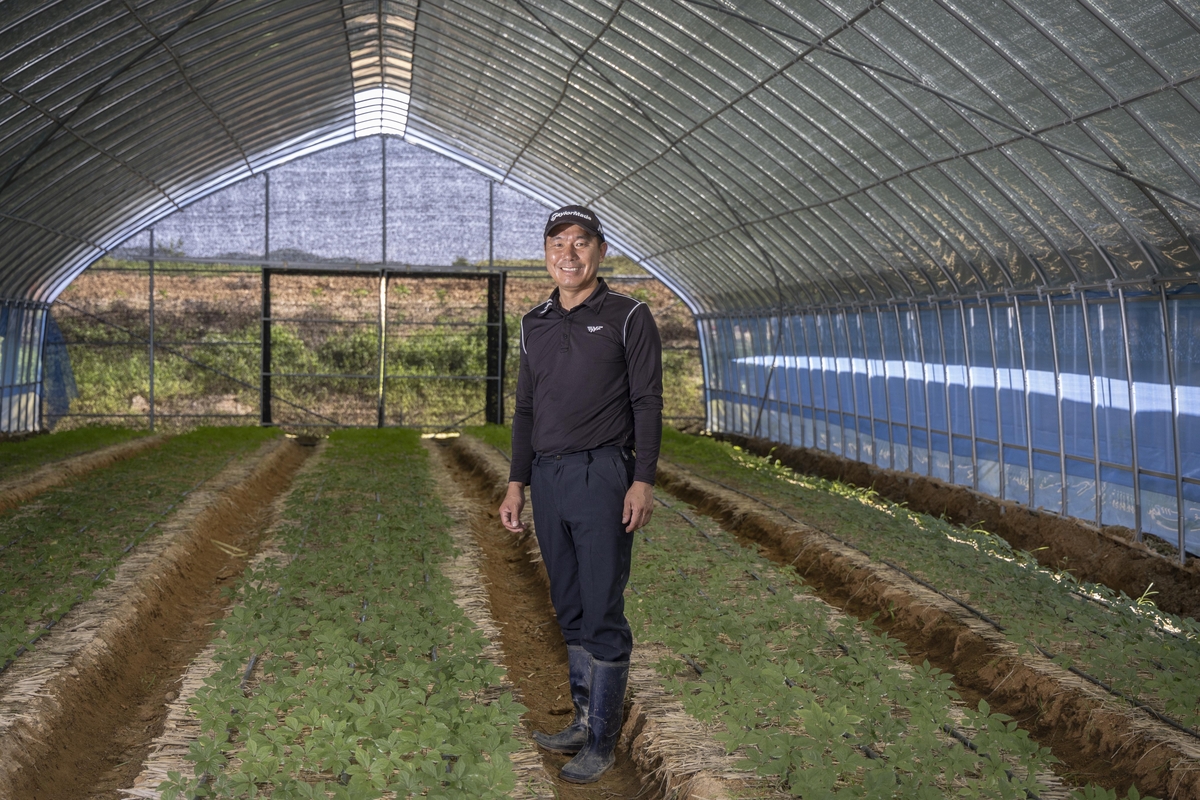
579, 57
188, 81
811, 47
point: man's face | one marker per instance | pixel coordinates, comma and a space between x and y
573, 257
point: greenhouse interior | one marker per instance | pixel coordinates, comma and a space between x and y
921, 290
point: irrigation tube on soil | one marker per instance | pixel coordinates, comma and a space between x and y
866, 749
755, 640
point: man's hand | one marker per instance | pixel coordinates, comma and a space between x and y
514, 501
639, 505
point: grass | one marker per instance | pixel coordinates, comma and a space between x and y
372, 678
58, 550
1126, 642
20, 458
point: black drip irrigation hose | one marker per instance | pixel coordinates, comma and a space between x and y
253, 660
49, 625
865, 749
1173, 723
962, 739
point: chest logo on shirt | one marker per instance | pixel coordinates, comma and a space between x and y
594, 328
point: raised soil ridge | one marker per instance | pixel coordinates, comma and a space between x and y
1098, 738
98, 677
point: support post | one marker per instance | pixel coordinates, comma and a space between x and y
264, 395
1058, 398
991, 323
1169, 351
1027, 389
497, 346
383, 287
1133, 439
151, 342
1095, 401
264, 400
962, 316
926, 377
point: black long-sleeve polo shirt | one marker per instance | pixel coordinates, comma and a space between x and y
590, 377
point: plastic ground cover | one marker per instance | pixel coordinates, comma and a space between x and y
346, 669
58, 550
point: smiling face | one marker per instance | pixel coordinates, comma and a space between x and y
573, 257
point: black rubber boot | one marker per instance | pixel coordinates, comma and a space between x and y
571, 739
607, 707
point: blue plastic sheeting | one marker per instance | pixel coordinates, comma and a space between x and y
1024, 399
22, 325
58, 378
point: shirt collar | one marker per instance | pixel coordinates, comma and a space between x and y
594, 301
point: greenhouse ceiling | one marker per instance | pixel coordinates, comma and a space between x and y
755, 154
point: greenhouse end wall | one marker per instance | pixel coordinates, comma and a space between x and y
1023, 398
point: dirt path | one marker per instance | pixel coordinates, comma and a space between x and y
531, 641
16, 491
78, 716
1099, 739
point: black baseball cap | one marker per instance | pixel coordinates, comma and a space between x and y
575, 215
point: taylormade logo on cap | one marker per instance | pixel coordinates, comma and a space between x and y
578, 215
558, 214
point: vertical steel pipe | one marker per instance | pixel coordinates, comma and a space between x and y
1137, 478
1095, 398
150, 344
1170, 352
903, 382
991, 326
1058, 396
1026, 384
962, 311
381, 392
264, 395
915, 310
853, 384
837, 388
946, 377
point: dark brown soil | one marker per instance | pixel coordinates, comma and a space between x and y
1108, 556
109, 710
532, 643
1096, 740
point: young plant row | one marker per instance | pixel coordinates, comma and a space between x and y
818, 702
349, 671
1130, 645
59, 549
18, 459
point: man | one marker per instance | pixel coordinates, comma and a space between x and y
585, 438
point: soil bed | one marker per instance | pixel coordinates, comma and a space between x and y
530, 638
85, 731
1106, 555
1099, 740
18, 490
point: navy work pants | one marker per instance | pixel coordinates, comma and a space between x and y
578, 500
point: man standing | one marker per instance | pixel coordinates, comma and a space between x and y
585, 438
